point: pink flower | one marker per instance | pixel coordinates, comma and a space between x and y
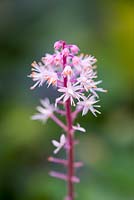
58, 45
65, 52
76, 60
74, 76
74, 49
48, 59
58, 59
78, 70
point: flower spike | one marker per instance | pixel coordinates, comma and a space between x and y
75, 77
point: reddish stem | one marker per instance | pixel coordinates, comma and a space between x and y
57, 121
70, 150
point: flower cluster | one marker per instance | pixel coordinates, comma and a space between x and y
74, 76
80, 87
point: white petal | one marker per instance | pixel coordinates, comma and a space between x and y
79, 128
45, 102
62, 89
85, 110
66, 98
32, 87
39, 117
93, 111
56, 150
58, 99
62, 139
55, 143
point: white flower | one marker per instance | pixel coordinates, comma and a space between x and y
83, 62
60, 144
45, 111
71, 91
51, 78
85, 78
93, 88
38, 74
79, 128
88, 104
87, 61
67, 71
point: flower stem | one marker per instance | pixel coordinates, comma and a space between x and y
57, 121
70, 151
70, 138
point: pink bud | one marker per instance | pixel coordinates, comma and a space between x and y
48, 59
58, 59
75, 60
65, 52
74, 49
58, 45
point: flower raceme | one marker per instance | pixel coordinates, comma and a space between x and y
79, 70
74, 77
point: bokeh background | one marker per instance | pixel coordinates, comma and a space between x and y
28, 30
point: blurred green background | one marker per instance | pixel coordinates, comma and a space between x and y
28, 30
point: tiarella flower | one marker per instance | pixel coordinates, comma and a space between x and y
51, 78
65, 52
79, 128
58, 45
67, 71
93, 88
48, 59
85, 79
74, 76
76, 60
71, 91
60, 144
76, 63
88, 104
74, 49
58, 59
38, 74
87, 61
45, 111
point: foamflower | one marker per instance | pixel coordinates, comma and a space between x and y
59, 144
44, 111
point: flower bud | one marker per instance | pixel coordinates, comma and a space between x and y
58, 45
74, 49
67, 71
